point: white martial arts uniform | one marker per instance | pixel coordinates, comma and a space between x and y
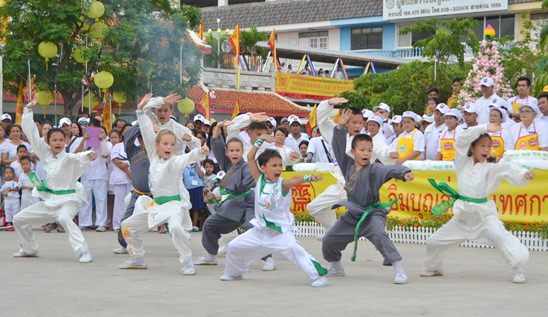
477, 220
121, 185
26, 194
63, 171
11, 201
272, 233
165, 181
381, 150
321, 150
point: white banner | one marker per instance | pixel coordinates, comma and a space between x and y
406, 9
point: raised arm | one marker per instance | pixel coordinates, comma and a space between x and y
31, 131
326, 113
243, 121
183, 160
252, 163
147, 130
153, 103
465, 139
339, 142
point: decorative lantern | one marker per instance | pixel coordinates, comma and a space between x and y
45, 97
96, 10
490, 32
103, 80
77, 56
47, 50
186, 106
119, 97
98, 30
90, 101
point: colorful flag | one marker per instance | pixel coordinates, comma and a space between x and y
312, 121
272, 44
236, 111
201, 30
205, 105
19, 104
235, 42
107, 110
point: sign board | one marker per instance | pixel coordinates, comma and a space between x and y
408, 9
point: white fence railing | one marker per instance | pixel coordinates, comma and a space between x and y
412, 235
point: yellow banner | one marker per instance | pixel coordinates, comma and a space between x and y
527, 204
310, 86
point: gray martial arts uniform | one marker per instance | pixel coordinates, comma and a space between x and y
363, 190
233, 212
140, 164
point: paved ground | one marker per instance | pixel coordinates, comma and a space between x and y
477, 283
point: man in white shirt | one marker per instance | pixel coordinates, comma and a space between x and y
489, 98
432, 132
543, 106
319, 151
471, 114
295, 136
523, 86
383, 110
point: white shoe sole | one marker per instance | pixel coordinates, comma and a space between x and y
226, 278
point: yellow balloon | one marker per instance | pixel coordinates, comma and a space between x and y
45, 97
98, 30
119, 97
77, 56
96, 10
47, 49
103, 80
90, 100
186, 106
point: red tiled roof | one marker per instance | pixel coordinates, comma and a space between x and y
248, 101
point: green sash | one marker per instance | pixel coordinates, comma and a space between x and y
226, 194
272, 225
42, 186
444, 188
165, 199
362, 219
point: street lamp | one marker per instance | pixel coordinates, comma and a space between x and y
218, 43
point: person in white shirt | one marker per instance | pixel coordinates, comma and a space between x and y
432, 132
531, 133
471, 114
295, 136
410, 144
397, 127
10, 193
120, 178
270, 125
319, 151
289, 157
448, 137
489, 98
543, 106
381, 149
383, 110
25, 183
523, 86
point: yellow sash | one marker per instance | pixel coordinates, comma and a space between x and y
406, 146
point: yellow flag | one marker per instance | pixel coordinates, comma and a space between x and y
19, 104
236, 110
235, 42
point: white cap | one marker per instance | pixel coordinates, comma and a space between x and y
471, 108
411, 115
487, 81
396, 119
199, 117
367, 113
292, 119
207, 122
83, 121
63, 121
454, 113
134, 122
427, 118
375, 118
382, 106
220, 175
533, 106
443, 108
5, 116
272, 121
503, 112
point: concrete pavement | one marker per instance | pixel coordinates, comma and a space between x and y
477, 283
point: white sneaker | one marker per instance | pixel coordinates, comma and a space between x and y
227, 278
519, 276
206, 260
431, 273
85, 257
137, 263
269, 264
319, 282
319, 237
23, 254
400, 278
336, 269
101, 229
120, 250
188, 270
221, 251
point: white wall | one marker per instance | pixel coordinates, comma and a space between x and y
334, 42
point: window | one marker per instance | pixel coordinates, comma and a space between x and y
317, 39
538, 20
409, 39
366, 38
503, 25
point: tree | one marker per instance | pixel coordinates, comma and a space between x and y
248, 41
140, 46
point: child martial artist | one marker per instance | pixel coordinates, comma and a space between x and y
474, 215
165, 188
61, 193
272, 230
366, 216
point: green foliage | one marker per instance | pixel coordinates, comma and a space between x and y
404, 88
212, 40
249, 39
140, 48
445, 37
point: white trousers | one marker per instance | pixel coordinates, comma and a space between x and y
40, 214
134, 226
321, 207
28, 200
120, 193
11, 208
257, 243
454, 233
95, 188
